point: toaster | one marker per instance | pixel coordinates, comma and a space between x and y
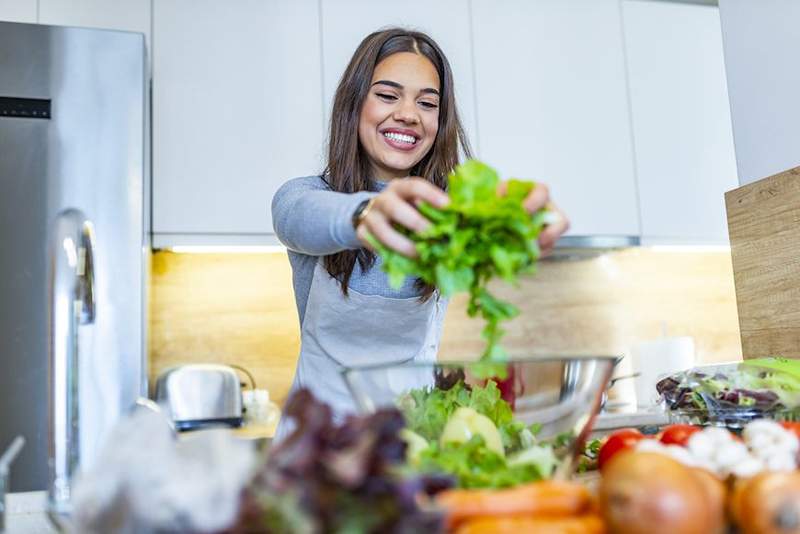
201, 395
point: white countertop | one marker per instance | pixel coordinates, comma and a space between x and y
607, 422
26, 513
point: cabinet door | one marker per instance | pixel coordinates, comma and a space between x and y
761, 41
681, 120
18, 10
346, 22
237, 110
552, 105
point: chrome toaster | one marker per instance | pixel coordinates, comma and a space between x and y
201, 395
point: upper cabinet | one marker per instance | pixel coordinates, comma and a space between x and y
552, 105
346, 22
684, 150
620, 106
18, 10
237, 110
761, 54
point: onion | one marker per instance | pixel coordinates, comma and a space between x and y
650, 493
768, 503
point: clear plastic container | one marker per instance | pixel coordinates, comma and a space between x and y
733, 394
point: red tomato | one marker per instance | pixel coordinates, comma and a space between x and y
678, 434
792, 426
616, 442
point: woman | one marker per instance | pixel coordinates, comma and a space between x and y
395, 136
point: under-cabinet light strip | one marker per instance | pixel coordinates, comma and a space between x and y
222, 249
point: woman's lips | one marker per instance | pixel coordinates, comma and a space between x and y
400, 141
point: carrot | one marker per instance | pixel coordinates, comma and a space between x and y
546, 498
522, 524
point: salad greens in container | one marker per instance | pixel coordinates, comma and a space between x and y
733, 394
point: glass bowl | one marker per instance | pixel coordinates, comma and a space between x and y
561, 395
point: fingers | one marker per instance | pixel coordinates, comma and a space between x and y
537, 199
376, 224
418, 189
551, 232
395, 205
397, 209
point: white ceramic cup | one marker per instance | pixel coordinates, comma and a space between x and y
656, 358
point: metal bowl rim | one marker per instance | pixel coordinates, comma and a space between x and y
457, 364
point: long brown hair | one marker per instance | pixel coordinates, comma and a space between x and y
348, 168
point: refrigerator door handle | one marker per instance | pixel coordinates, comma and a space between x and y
71, 303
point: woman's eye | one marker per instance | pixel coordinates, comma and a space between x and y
428, 105
386, 96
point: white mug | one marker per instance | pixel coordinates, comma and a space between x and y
655, 359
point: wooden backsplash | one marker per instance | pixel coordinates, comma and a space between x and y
764, 227
239, 308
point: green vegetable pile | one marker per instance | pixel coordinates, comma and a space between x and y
478, 236
469, 432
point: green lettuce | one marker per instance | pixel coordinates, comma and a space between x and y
479, 236
428, 409
475, 466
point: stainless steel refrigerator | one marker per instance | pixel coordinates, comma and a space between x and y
73, 241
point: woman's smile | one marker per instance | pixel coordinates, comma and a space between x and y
400, 138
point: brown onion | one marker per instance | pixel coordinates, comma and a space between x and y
650, 493
769, 503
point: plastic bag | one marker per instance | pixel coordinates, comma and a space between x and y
147, 481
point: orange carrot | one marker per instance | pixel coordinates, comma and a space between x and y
522, 524
542, 499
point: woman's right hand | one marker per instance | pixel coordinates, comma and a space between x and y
397, 204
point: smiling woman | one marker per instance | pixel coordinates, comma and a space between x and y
400, 117
395, 136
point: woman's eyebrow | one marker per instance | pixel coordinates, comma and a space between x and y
396, 85
389, 83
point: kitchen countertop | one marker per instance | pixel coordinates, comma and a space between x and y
613, 420
26, 513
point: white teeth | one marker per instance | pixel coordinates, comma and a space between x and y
400, 137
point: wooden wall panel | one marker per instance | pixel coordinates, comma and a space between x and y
240, 309
764, 227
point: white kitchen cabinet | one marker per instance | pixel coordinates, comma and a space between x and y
346, 22
681, 121
761, 41
237, 110
126, 15
18, 10
552, 105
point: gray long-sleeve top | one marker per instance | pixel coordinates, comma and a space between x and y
313, 221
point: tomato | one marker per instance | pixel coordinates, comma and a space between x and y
678, 434
791, 426
616, 442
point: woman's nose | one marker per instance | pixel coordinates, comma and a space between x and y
406, 112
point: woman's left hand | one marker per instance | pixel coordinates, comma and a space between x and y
539, 198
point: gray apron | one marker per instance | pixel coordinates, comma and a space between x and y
358, 330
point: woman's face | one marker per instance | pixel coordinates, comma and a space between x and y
400, 115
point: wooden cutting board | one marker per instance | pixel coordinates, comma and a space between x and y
764, 230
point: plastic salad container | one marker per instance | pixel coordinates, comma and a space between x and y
733, 394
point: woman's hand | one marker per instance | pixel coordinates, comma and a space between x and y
539, 198
396, 204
